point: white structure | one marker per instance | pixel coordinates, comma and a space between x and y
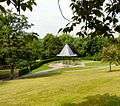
67, 51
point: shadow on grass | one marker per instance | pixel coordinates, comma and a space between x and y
3, 82
98, 100
115, 70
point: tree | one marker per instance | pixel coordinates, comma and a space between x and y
90, 47
52, 45
111, 54
32, 49
18, 4
12, 45
94, 17
66, 39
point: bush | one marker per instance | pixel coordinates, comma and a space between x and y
97, 57
23, 71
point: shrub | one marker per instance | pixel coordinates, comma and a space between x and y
97, 57
23, 71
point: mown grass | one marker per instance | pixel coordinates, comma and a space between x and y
91, 86
41, 68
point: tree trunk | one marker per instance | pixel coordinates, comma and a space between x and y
110, 66
12, 75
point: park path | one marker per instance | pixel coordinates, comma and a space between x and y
41, 73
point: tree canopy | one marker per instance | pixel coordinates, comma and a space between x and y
111, 54
14, 43
94, 17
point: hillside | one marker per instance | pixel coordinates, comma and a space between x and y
69, 87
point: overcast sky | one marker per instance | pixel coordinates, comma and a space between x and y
46, 16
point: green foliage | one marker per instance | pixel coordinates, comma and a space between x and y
94, 17
85, 46
15, 44
66, 39
18, 4
24, 71
52, 46
97, 56
111, 54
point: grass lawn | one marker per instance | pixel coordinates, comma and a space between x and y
41, 68
89, 86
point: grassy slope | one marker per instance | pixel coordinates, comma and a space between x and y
41, 68
72, 85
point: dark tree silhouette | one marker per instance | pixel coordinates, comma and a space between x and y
94, 17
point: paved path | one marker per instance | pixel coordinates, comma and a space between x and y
41, 73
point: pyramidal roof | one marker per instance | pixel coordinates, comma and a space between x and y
67, 51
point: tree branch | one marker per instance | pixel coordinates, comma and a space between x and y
62, 11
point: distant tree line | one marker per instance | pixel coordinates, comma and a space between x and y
93, 48
84, 47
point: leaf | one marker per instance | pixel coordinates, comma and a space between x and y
115, 20
117, 29
80, 34
34, 3
23, 6
8, 2
29, 7
60, 30
2, 9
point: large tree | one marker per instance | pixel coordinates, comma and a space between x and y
32, 49
94, 17
12, 43
52, 46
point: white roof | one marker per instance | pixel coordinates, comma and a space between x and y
67, 51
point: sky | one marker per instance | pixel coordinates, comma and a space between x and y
46, 16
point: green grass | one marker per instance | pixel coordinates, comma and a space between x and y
41, 68
73, 87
